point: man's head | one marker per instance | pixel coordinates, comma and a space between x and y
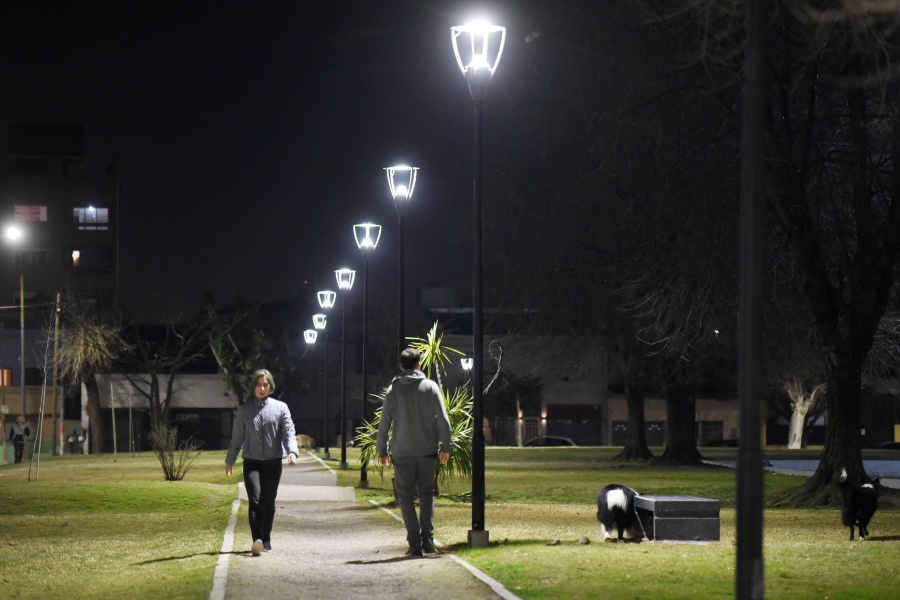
409, 359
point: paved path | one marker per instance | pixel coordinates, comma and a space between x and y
888, 470
326, 544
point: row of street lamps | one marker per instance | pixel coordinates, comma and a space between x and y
477, 48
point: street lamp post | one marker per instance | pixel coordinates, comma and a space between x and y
326, 302
345, 279
478, 57
319, 322
402, 182
14, 235
367, 236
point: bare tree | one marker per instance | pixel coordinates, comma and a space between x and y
834, 178
157, 360
88, 345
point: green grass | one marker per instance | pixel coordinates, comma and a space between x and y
89, 527
92, 527
537, 497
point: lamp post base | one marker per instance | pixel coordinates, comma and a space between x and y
343, 466
363, 484
326, 456
479, 538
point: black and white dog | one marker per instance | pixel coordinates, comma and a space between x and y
615, 511
860, 503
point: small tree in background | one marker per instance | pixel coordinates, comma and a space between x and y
176, 458
88, 346
458, 402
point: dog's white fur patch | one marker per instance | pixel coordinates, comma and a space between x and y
616, 499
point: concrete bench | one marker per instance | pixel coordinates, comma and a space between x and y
683, 518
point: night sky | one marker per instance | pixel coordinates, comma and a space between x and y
250, 136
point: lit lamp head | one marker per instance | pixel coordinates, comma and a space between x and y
310, 336
367, 236
13, 233
402, 181
478, 47
326, 299
319, 322
467, 362
345, 279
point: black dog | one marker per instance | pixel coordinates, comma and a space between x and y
860, 504
615, 511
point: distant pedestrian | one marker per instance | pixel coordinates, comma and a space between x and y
264, 430
18, 434
414, 408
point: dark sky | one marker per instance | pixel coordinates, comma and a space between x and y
251, 136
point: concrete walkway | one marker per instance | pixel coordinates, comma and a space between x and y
888, 470
326, 544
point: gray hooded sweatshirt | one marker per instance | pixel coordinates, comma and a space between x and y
415, 408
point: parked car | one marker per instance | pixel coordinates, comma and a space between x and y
550, 440
889, 445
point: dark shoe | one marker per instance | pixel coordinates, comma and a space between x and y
257, 548
428, 545
414, 551
267, 546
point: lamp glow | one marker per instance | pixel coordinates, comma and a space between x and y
319, 321
367, 235
310, 336
476, 50
326, 299
345, 279
402, 181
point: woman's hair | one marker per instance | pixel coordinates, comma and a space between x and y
268, 377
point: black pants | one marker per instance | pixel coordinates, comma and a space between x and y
20, 450
261, 478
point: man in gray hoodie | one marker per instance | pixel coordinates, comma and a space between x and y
414, 407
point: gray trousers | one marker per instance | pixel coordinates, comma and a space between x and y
414, 476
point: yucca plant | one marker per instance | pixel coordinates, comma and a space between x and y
458, 402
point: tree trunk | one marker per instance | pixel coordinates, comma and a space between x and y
795, 430
636, 437
681, 442
801, 405
93, 411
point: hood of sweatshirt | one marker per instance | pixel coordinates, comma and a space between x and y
410, 377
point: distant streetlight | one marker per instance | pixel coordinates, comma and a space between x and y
402, 182
15, 235
345, 278
367, 236
310, 336
478, 57
326, 302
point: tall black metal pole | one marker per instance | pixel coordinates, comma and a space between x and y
749, 485
344, 380
326, 455
478, 536
363, 471
401, 328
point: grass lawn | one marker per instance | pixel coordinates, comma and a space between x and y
538, 496
92, 527
95, 527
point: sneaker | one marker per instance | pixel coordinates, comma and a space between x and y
257, 547
267, 546
414, 551
428, 545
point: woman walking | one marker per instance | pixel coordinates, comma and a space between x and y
264, 430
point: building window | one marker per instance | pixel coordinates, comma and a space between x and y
31, 258
92, 257
709, 431
91, 217
30, 213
